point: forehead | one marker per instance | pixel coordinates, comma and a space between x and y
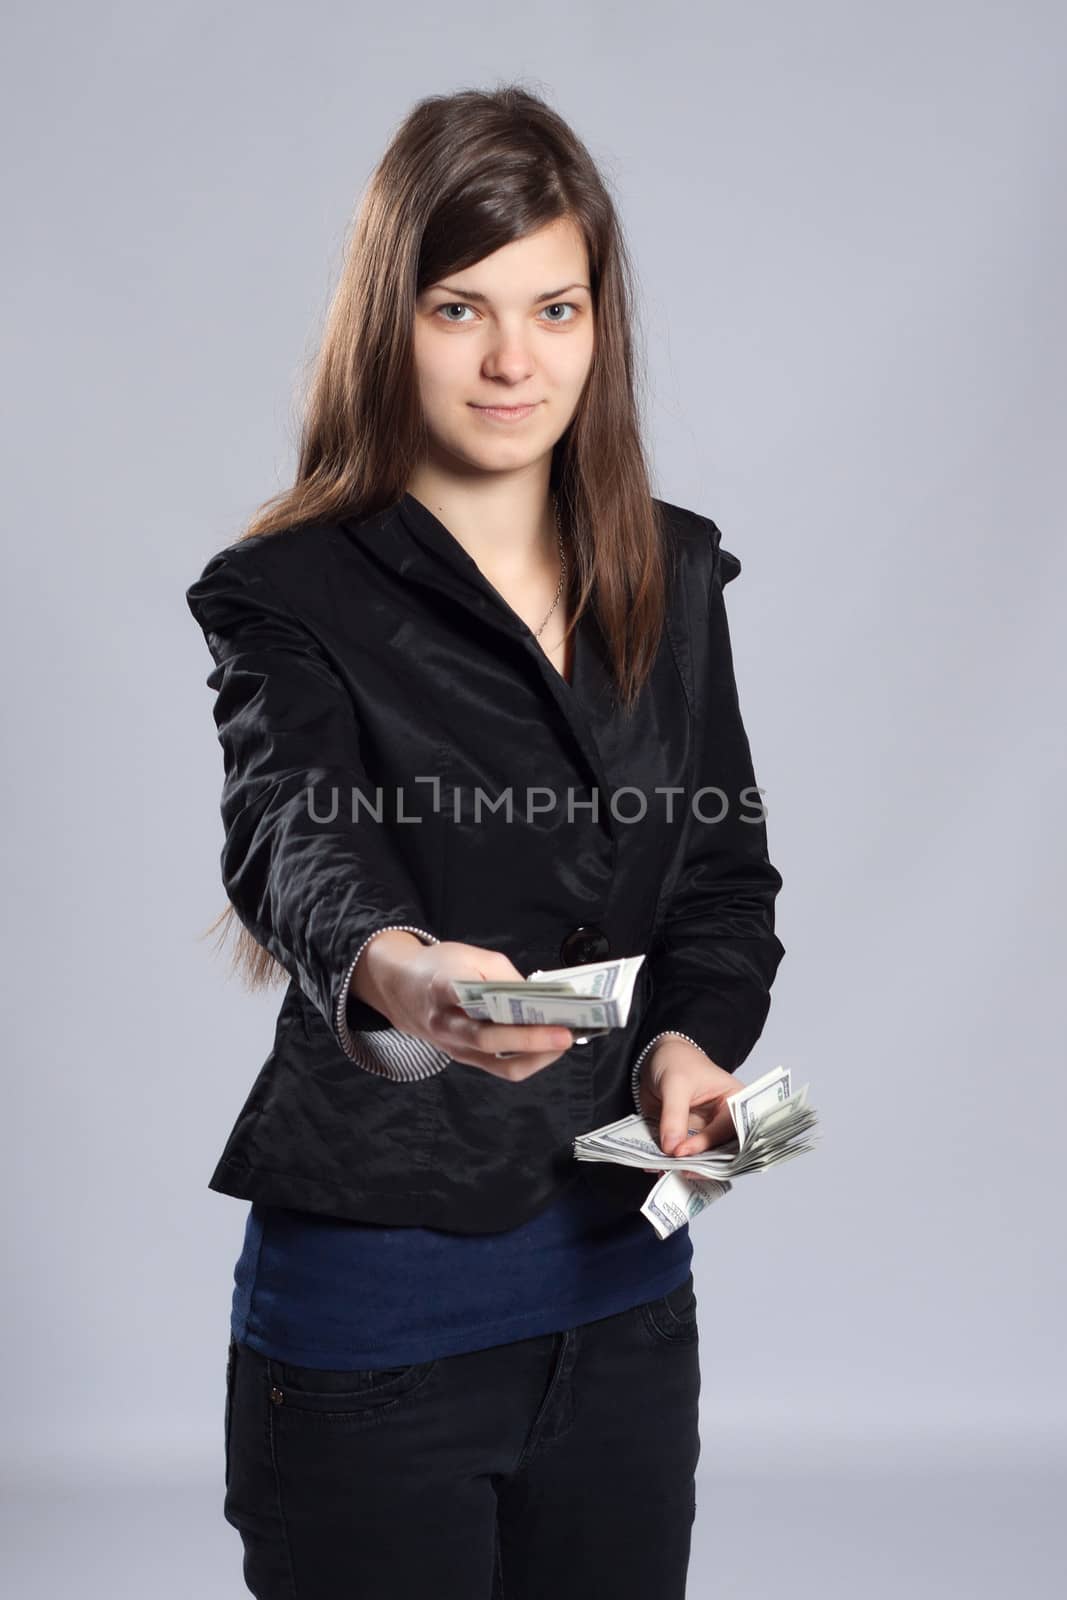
539, 263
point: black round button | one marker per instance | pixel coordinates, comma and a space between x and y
584, 944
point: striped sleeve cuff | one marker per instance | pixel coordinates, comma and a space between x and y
635, 1080
387, 1051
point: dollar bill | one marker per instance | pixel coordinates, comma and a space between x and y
592, 999
674, 1200
771, 1125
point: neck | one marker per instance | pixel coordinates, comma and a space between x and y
504, 522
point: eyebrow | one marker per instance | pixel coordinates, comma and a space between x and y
483, 299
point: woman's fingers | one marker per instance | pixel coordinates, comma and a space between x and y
697, 1135
516, 1067
508, 1049
518, 1038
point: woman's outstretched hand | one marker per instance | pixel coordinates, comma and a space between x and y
411, 984
681, 1088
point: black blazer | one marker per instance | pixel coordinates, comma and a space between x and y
376, 700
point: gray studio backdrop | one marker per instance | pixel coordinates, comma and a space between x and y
849, 227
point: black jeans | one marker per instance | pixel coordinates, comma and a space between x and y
560, 1466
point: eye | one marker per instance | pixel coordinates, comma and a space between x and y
455, 305
563, 305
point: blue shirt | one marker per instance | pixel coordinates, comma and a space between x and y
327, 1292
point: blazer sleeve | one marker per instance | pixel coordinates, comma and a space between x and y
716, 953
309, 883
403, 1057
388, 1052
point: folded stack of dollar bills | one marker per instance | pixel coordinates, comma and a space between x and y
591, 999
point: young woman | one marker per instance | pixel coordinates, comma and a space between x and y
474, 690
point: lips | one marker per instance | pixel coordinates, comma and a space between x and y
506, 413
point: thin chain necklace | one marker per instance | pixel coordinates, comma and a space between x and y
562, 567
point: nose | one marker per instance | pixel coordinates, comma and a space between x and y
508, 356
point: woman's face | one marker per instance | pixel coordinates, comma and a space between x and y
514, 330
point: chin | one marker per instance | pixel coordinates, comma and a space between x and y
508, 455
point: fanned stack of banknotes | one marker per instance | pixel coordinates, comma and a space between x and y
772, 1124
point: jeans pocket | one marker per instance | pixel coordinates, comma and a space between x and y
344, 1392
672, 1318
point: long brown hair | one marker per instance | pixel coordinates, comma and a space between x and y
464, 174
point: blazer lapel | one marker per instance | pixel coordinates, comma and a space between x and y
433, 557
